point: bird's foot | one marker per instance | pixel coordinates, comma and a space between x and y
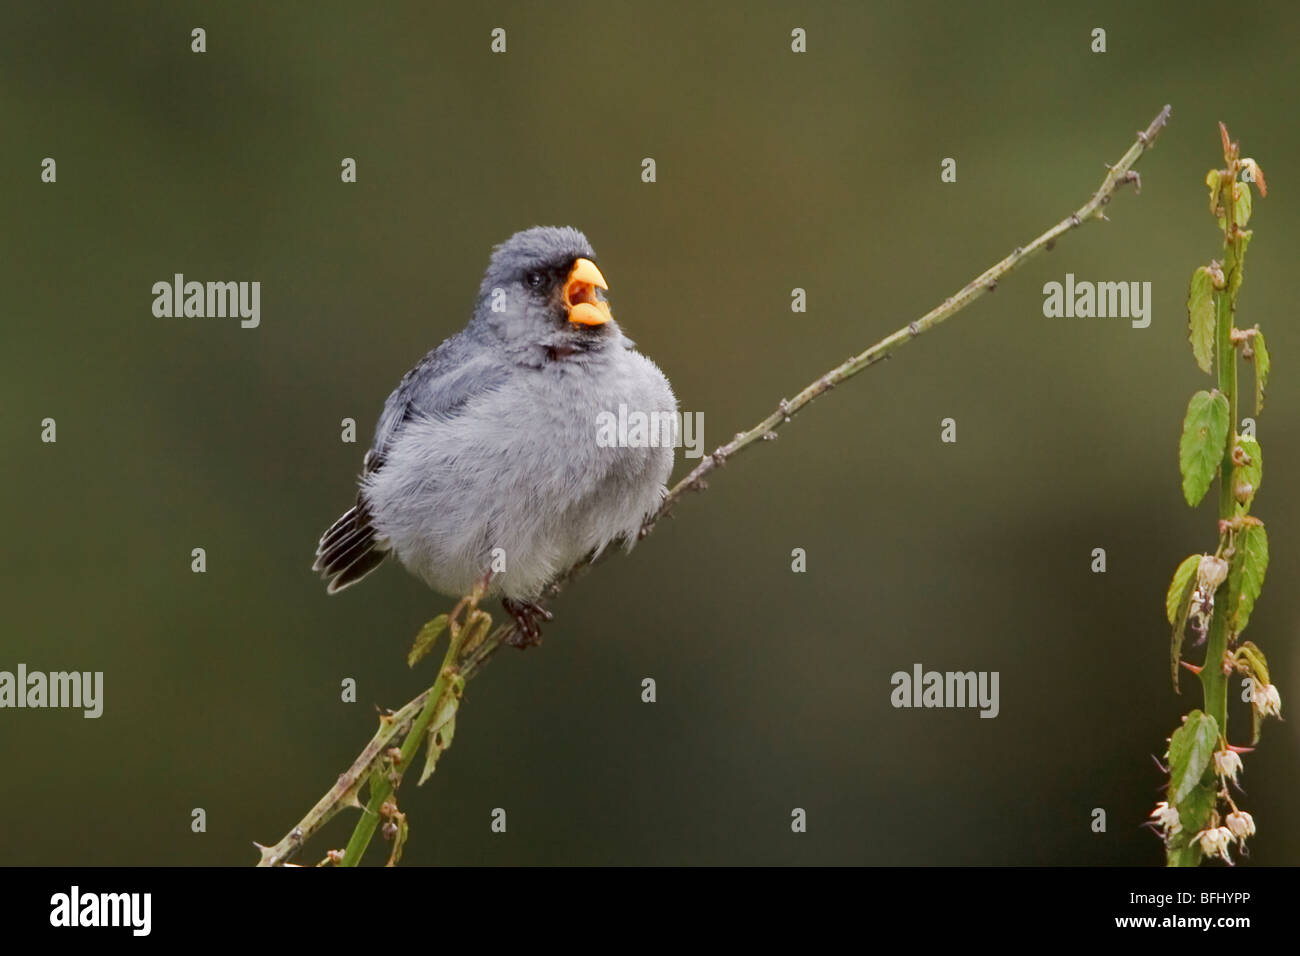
528, 616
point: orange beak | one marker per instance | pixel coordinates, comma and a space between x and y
580, 295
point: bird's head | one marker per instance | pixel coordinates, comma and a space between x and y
542, 289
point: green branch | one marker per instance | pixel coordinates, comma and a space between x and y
1216, 593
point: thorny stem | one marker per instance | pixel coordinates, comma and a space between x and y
1116, 176
409, 724
413, 719
1214, 682
344, 792
383, 784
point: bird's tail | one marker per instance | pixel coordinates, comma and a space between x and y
349, 550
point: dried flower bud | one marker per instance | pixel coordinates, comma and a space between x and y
1241, 823
1227, 763
1166, 818
1210, 573
1265, 699
1215, 842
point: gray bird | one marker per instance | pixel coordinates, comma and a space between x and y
491, 441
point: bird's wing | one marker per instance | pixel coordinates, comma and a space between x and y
440, 386
445, 381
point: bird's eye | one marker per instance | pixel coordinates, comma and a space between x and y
534, 280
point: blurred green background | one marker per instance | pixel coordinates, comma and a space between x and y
775, 170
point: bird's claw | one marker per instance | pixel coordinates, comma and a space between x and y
528, 616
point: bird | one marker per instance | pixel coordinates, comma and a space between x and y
487, 461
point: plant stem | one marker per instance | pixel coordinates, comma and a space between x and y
1116, 176
383, 784
1213, 679
344, 792
1214, 682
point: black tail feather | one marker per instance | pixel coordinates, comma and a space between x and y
349, 550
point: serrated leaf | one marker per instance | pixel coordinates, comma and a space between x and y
1261, 369
425, 640
1246, 478
1200, 318
1241, 205
1178, 601
1200, 450
1190, 749
1246, 573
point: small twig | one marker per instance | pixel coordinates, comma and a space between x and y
375, 765
1116, 176
344, 792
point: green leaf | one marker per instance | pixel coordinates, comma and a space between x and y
1194, 813
1180, 588
1190, 750
1246, 478
1205, 431
1242, 203
1246, 573
425, 640
1261, 369
1200, 318
1177, 603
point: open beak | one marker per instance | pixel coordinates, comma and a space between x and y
580, 295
